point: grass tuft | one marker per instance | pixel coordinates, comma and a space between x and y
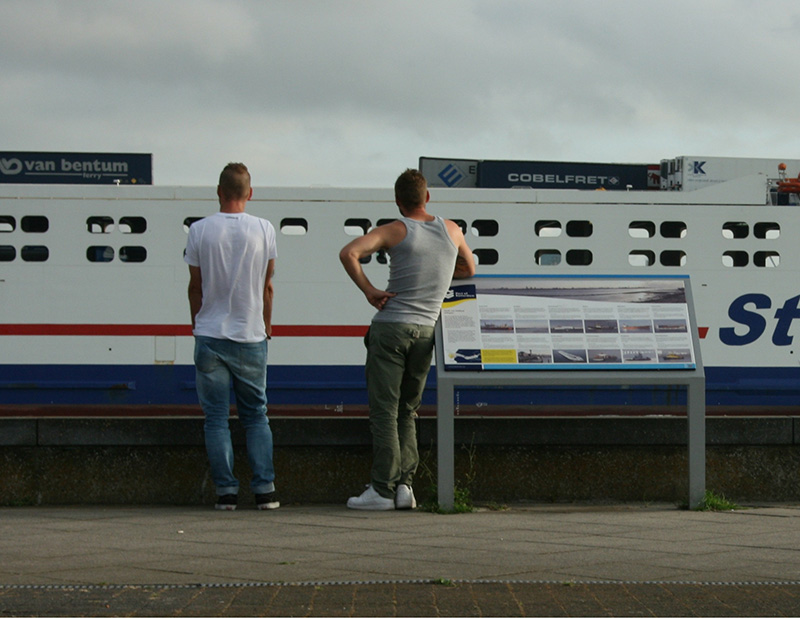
715, 502
462, 501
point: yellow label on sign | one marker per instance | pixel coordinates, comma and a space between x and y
505, 357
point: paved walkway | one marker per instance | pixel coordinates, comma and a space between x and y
531, 560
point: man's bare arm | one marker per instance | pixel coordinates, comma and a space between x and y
465, 262
351, 254
269, 293
195, 292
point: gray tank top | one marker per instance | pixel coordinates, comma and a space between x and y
420, 271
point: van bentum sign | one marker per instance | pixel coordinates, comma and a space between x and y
76, 168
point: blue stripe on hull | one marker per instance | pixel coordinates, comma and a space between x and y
335, 385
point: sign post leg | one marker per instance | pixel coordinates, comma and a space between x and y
696, 395
445, 442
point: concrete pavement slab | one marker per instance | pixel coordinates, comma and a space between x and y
533, 559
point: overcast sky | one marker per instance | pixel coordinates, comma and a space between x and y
350, 93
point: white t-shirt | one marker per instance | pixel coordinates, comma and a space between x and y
233, 251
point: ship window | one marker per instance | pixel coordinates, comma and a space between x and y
187, 222
641, 258
99, 253
766, 259
673, 229
735, 229
34, 224
673, 258
485, 257
548, 257
767, 230
642, 229
294, 227
462, 224
736, 259
35, 253
579, 229
7, 223
366, 260
548, 229
485, 227
382, 257
579, 257
356, 227
7, 253
132, 254
132, 225
100, 225
384, 221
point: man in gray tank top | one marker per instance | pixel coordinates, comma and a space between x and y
426, 252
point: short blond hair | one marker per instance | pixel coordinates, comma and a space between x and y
234, 182
411, 189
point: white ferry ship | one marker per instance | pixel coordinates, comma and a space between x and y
94, 317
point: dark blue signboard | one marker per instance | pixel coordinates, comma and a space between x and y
84, 168
563, 175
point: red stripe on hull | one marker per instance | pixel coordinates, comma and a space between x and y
167, 330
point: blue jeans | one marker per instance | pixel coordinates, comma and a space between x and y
398, 362
217, 362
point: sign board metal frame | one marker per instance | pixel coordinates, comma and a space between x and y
448, 381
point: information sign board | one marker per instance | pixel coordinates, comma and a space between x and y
530, 322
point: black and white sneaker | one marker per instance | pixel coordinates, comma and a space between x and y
226, 502
267, 502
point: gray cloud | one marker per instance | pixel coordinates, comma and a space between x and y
349, 92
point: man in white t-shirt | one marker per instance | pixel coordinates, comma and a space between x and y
231, 257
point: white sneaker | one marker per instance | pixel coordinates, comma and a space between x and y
404, 499
370, 500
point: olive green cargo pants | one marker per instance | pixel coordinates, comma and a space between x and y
398, 362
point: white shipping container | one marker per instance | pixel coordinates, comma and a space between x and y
688, 173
